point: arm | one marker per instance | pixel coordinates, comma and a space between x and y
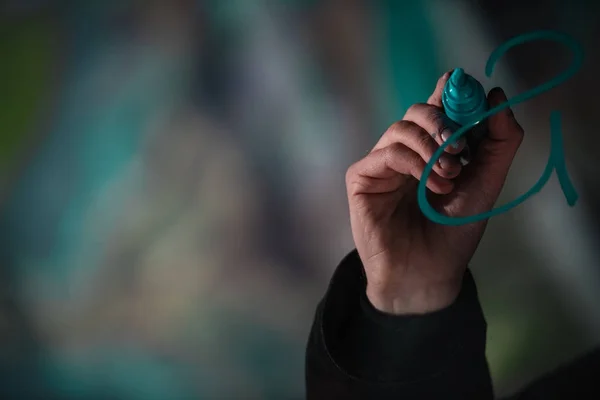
357, 352
401, 317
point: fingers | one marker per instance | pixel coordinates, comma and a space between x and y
503, 127
406, 147
436, 97
431, 117
504, 137
435, 122
386, 169
417, 139
498, 149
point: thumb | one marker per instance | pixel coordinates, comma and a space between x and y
496, 151
505, 133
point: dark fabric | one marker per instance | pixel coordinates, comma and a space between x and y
579, 379
357, 352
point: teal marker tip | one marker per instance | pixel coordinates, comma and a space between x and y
464, 98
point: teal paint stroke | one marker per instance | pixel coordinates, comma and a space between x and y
556, 159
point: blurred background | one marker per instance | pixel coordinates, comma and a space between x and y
172, 199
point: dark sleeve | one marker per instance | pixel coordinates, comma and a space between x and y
357, 352
577, 379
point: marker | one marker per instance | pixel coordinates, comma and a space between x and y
556, 159
464, 103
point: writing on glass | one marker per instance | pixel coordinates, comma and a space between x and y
556, 159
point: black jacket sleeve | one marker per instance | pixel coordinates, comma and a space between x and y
357, 352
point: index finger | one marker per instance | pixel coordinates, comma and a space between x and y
436, 97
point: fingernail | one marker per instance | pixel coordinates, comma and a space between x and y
446, 133
446, 161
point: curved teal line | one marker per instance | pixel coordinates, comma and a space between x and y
556, 159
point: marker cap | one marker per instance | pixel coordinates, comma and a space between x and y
463, 98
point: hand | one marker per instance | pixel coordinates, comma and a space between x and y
412, 264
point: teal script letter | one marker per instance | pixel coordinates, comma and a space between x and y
556, 160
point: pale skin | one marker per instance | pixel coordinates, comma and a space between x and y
413, 265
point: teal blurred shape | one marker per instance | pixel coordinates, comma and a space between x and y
414, 53
114, 372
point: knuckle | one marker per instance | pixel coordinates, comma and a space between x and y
415, 108
398, 127
393, 154
424, 142
414, 168
438, 120
394, 150
351, 173
397, 153
352, 180
415, 162
519, 134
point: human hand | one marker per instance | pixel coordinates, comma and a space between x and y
412, 264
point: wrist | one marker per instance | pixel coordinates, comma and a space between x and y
413, 299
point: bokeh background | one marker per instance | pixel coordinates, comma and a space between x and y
172, 184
